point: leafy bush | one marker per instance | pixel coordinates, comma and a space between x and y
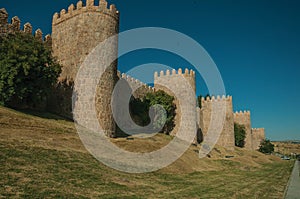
139, 109
239, 135
167, 102
266, 147
27, 71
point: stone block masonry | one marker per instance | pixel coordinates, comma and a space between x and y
226, 138
75, 33
167, 78
15, 27
258, 135
77, 30
243, 118
141, 88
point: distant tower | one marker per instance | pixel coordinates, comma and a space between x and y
258, 135
75, 33
243, 118
226, 138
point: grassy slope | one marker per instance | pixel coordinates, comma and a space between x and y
45, 158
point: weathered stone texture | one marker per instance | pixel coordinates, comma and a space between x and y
14, 27
226, 138
141, 88
3, 21
75, 33
3, 16
258, 135
79, 29
187, 122
243, 118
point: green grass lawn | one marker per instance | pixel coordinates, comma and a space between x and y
43, 158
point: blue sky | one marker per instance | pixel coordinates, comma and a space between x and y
255, 44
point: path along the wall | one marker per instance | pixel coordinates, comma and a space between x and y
293, 190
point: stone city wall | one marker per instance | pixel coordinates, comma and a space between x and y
142, 88
15, 27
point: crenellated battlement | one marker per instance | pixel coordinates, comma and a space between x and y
135, 82
244, 118
3, 16
216, 105
186, 72
242, 113
80, 8
15, 26
78, 29
258, 135
170, 81
216, 99
257, 130
171, 78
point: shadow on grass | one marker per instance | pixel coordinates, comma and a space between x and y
43, 114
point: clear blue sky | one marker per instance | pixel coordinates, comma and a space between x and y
255, 44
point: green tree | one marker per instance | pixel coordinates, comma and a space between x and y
167, 102
27, 71
139, 111
266, 147
239, 135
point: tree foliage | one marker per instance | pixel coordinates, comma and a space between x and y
27, 70
167, 102
266, 147
239, 135
139, 109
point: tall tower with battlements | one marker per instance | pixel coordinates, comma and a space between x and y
75, 33
243, 118
171, 79
226, 138
258, 135
78, 30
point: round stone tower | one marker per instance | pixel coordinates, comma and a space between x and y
75, 33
